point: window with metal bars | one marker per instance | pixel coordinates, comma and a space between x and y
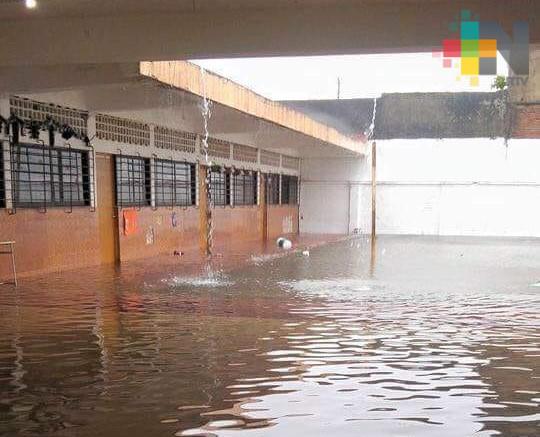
132, 181
2, 179
43, 176
245, 187
289, 190
272, 189
220, 186
174, 183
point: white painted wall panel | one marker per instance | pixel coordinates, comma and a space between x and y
477, 187
326, 193
324, 208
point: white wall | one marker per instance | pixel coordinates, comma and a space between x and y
328, 195
434, 187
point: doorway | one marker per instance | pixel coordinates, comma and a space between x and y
106, 208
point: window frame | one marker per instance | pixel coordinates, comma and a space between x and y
272, 188
222, 186
3, 189
289, 190
245, 188
180, 179
142, 185
52, 174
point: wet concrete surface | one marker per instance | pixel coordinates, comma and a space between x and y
429, 336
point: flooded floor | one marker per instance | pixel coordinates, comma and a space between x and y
429, 337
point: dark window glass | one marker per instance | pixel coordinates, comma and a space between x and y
289, 190
245, 188
220, 186
132, 181
48, 176
272, 189
174, 183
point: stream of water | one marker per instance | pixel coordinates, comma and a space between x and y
206, 112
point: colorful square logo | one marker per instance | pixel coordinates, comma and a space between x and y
470, 54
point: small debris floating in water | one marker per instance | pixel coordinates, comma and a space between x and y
305, 253
283, 243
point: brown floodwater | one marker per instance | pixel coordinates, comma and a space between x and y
430, 337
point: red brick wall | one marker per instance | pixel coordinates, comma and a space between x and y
50, 241
166, 238
527, 122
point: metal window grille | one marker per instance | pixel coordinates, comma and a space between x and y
122, 130
174, 183
44, 176
132, 181
270, 158
272, 189
173, 139
220, 186
219, 148
2, 179
289, 190
27, 109
244, 153
290, 162
245, 188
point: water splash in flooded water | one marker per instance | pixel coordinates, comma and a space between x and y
432, 345
211, 278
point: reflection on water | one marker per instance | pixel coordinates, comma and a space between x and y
438, 337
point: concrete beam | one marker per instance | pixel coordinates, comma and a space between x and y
221, 30
154, 102
186, 76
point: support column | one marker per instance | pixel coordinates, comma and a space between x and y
373, 258
373, 190
263, 206
204, 210
91, 131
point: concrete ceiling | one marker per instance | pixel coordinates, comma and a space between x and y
15, 9
106, 31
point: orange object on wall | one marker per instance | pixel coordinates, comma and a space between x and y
130, 221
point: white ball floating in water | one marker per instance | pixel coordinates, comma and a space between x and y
283, 243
